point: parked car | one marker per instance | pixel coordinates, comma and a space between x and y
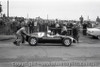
42, 37
95, 32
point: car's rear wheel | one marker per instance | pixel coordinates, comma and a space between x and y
98, 37
67, 42
32, 41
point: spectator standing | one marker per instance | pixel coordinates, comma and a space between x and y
81, 19
52, 26
98, 19
35, 26
69, 27
45, 25
84, 28
57, 26
75, 32
30, 26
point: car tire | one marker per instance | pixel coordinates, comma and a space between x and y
67, 42
32, 41
98, 37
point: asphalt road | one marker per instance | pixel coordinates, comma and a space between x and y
86, 51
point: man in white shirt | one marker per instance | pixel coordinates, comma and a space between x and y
20, 34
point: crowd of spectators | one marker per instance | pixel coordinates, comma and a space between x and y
12, 24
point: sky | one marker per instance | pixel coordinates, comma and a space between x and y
55, 9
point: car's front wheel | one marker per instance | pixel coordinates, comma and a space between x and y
32, 41
67, 42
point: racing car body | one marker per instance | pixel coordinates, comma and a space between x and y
42, 37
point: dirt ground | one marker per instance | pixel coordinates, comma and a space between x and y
86, 52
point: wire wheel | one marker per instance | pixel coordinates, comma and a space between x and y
32, 41
67, 41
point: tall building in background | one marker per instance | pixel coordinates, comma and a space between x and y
7, 8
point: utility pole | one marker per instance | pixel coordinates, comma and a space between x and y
47, 16
0, 9
47, 25
7, 8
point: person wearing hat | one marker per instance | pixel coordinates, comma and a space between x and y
20, 34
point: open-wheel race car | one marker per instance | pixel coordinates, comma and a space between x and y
42, 37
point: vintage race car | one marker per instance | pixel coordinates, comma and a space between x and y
42, 37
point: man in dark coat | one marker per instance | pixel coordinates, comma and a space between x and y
81, 19
75, 32
69, 27
84, 28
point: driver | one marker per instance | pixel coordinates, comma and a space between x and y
20, 34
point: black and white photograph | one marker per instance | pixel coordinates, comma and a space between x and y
49, 33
